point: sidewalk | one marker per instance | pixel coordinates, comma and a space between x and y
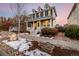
72, 44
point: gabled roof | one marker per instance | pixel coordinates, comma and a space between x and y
46, 5
55, 11
33, 10
40, 9
73, 8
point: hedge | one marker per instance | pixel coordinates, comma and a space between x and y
72, 31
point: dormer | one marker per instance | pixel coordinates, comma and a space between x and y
39, 8
34, 11
46, 6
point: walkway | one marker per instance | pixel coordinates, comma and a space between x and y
73, 45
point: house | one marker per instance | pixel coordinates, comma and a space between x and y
41, 18
73, 17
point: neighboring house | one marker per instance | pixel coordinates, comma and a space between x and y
73, 17
41, 18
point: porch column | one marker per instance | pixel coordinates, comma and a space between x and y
26, 25
33, 25
39, 24
51, 23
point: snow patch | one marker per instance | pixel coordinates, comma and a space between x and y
36, 52
20, 44
23, 45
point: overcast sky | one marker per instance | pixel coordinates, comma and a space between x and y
62, 9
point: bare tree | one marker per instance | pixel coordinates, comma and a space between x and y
18, 10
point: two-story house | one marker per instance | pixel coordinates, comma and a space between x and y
41, 18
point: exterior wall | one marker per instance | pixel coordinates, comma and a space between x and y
74, 17
54, 23
78, 13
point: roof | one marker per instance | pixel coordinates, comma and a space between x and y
55, 11
46, 9
73, 8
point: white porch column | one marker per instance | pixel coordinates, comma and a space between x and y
39, 24
51, 23
26, 25
33, 25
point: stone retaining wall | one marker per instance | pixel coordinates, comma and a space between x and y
9, 51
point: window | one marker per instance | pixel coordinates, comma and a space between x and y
37, 15
46, 13
41, 14
33, 16
51, 12
29, 24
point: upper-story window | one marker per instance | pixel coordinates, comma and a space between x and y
37, 15
41, 14
33, 16
46, 13
51, 12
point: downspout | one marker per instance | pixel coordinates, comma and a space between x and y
52, 18
77, 14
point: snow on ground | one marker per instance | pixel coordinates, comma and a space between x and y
23, 45
36, 52
38, 35
20, 44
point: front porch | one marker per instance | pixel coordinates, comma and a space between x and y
38, 25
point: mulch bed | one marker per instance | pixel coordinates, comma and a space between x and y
34, 45
53, 50
57, 51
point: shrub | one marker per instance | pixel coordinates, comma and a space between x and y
2, 28
48, 31
72, 31
38, 32
60, 28
28, 32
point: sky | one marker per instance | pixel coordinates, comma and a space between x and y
62, 9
